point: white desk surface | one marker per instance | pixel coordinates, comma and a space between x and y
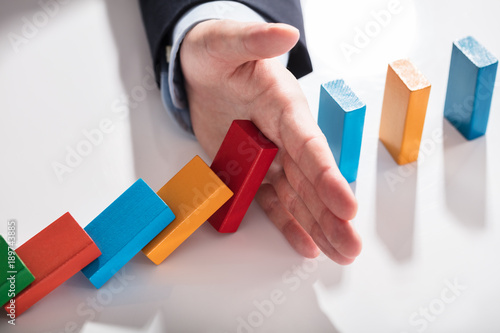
437, 227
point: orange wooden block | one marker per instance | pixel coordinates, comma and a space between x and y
193, 194
403, 111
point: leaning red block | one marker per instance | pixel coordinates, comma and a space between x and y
241, 163
53, 256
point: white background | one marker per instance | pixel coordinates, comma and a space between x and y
437, 225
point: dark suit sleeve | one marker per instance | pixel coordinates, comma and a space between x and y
160, 17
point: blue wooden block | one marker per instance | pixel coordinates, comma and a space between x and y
470, 87
341, 118
124, 228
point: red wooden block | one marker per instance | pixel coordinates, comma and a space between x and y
53, 256
242, 163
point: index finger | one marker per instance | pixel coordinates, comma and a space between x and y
307, 146
282, 114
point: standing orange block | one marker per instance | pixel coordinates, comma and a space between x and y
193, 194
403, 111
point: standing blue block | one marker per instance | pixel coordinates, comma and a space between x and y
124, 228
341, 118
470, 87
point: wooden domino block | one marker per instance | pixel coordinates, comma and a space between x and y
341, 117
193, 194
471, 81
403, 111
242, 163
53, 256
14, 275
124, 228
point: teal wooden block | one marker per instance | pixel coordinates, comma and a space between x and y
470, 87
124, 228
14, 275
341, 118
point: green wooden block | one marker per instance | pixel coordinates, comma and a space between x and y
14, 275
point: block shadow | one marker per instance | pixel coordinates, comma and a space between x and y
465, 174
396, 199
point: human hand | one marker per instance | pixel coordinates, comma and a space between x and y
230, 74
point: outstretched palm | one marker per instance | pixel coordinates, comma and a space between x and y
230, 74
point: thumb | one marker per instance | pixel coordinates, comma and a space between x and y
239, 42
